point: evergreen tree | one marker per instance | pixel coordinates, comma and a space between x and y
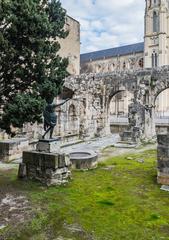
31, 71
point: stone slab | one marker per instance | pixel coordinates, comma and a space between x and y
126, 145
165, 188
163, 139
40, 159
48, 146
11, 150
163, 159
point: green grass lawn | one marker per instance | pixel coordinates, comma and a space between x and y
110, 203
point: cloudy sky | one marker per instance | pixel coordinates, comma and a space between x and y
107, 23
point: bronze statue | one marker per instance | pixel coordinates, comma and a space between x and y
50, 117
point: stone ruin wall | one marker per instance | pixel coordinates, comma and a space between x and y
88, 114
70, 46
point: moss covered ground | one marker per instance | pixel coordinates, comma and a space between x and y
119, 200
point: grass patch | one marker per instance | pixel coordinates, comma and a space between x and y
124, 202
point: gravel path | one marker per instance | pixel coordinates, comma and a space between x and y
96, 145
103, 146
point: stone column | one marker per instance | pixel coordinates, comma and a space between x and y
105, 115
163, 159
149, 127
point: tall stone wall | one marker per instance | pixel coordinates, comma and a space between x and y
70, 46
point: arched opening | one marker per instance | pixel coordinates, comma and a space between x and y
162, 110
124, 65
72, 120
162, 103
118, 110
154, 59
155, 22
111, 67
141, 63
98, 68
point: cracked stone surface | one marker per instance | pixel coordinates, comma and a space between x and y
14, 209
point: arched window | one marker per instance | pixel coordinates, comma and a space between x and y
154, 59
141, 63
150, 4
155, 22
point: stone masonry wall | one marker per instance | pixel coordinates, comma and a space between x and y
70, 46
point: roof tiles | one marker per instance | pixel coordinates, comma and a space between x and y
112, 52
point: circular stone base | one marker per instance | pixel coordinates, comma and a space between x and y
84, 160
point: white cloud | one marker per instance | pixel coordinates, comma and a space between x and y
107, 24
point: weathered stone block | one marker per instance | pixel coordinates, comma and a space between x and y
22, 170
127, 136
40, 159
12, 149
49, 146
163, 151
163, 139
48, 168
61, 161
163, 159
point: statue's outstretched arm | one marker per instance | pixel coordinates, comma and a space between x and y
57, 105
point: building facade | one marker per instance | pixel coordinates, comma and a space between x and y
153, 52
156, 38
114, 59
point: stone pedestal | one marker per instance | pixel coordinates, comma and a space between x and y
12, 149
49, 167
163, 159
49, 146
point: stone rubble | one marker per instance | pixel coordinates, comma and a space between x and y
13, 209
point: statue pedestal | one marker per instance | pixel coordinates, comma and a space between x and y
46, 164
163, 159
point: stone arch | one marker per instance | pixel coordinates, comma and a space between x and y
120, 100
113, 95
161, 103
159, 92
111, 67
141, 63
160, 86
72, 119
98, 67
